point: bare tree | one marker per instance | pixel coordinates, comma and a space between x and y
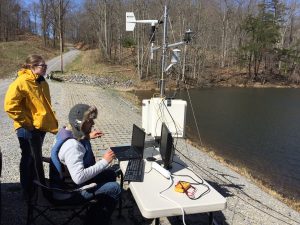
217, 25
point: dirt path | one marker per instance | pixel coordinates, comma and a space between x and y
54, 64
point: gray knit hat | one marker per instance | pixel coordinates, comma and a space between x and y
78, 114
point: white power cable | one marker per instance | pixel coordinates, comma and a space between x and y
171, 200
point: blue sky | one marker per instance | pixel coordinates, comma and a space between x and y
28, 2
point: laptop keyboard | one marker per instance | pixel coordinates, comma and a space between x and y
135, 170
128, 154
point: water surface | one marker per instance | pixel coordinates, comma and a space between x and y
258, 129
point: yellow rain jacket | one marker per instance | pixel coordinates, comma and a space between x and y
28, 103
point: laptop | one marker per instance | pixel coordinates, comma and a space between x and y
135, 150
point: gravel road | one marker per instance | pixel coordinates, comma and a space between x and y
246, 203
54, 64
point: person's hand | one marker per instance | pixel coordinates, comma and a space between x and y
96, 134
109, 155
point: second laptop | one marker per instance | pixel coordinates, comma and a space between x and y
135, 150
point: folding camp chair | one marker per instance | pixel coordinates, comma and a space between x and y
0, 183
43, 198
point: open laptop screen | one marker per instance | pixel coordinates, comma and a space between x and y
138, 139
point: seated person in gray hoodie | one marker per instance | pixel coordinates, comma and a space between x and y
72, 154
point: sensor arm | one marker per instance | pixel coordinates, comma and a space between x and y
170, 45
152, 22
131, 21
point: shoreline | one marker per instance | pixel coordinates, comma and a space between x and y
131, 85
244, 172
172, 84
212, 153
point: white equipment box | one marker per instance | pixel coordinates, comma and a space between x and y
172, 112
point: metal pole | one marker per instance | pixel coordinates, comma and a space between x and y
164, 52
183, 66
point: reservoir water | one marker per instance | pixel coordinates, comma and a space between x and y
256, 129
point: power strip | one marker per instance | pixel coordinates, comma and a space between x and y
161, 170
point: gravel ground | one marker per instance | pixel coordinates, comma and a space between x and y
246, 203
95, 80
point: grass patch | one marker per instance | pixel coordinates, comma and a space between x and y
131, 97
90, 63
13, 54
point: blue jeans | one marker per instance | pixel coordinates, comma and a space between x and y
26, 164
106, 185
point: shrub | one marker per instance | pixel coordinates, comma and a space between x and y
128, 42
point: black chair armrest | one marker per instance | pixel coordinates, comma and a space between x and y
0, 163
69, 191
46, 159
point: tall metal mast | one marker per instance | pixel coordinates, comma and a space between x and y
164, 52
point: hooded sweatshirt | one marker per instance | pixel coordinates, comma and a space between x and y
28, 103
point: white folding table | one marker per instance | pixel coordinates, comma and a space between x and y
152, 205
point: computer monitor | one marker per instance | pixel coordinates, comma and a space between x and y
166, 148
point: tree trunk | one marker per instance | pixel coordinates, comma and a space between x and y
249, 65
105, 28
224, 36
1, 25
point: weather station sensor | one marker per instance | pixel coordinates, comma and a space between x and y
131, 21
158, 110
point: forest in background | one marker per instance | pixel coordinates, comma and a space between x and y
238, 41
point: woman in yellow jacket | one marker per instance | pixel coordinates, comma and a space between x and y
28, 103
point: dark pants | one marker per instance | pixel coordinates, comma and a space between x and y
26, 165
106, 192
